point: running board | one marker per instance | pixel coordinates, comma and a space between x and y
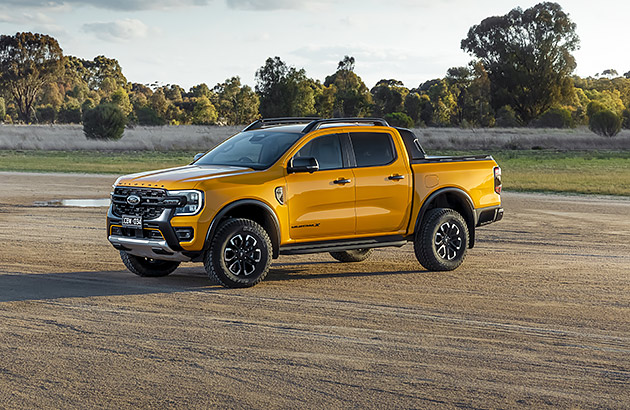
343, 245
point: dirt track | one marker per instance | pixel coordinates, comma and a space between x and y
537, 317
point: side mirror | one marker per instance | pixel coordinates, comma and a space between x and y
303, 164
197, 156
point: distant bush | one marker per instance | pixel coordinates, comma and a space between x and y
148, 116
46, 114
554, 118
594, 107
399, 119
625, 118
104, 122
506, 118
69, 114
605, 123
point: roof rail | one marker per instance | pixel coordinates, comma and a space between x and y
263, 122
315, 124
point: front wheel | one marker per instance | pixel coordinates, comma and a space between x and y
147, 267
239, 255
441, 242
354, 255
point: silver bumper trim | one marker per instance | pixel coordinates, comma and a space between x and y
147, 248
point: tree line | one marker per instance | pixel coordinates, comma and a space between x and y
520, 75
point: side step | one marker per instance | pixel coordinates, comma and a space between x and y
342, 245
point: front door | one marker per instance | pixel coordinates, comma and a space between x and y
321, 204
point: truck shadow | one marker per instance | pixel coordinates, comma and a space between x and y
44, 286
22, 287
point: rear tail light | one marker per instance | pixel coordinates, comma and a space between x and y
497, 180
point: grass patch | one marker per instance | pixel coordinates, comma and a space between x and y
579, 172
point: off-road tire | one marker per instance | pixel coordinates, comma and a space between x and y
441, 242
354, 255
151, 268
239, 255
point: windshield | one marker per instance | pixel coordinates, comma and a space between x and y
253, 149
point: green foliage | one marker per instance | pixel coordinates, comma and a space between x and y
284, 91
27, 63
554, 118
236, 104
352, 99
70, 113
388, 96
3, 109
104, 74
105, 122
594, 107
399, 119
527, 55
625, 118
204, 112
120, 98
605, 123
45, 114
148, 116
506, 118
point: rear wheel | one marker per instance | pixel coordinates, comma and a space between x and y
147, 267
354, 255
240, 254
441, 242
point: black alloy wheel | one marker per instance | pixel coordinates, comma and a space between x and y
442, 240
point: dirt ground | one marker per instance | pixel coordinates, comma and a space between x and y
538, 316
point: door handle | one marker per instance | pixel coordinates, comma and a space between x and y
395, 177
341, 181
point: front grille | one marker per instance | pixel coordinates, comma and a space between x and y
148, 207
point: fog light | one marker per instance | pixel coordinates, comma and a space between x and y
185, 234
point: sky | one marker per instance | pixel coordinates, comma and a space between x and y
188, 42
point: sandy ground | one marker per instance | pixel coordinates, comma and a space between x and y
538, 316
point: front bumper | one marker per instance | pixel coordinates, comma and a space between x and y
136, 243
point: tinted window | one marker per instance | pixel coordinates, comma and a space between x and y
372, 149
327, 151
253, 149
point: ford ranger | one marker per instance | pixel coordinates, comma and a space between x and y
303, 185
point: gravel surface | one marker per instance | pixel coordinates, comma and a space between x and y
538, 316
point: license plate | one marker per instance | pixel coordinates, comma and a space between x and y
132, 221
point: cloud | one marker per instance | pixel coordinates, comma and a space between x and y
267, 5
110, 4
119, 30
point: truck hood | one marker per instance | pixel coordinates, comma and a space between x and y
182, 177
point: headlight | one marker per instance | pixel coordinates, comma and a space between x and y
194, 202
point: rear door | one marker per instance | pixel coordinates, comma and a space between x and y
383, 183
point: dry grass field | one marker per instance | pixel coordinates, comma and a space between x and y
201, 138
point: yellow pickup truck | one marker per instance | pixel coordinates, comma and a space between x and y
303, 185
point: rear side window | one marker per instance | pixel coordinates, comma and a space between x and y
327, 151
372, 149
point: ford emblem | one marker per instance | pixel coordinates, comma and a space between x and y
133, 200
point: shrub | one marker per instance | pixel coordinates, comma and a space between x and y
554, 118
104, 122
148, 116
45, 114
506, 118
594, 107
625, 117
69, 114
399, 119
605, 123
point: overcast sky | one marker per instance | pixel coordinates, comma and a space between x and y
188, 42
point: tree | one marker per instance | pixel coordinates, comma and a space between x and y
389, 97
28, 62
204, 112
236, 104
352, 99
527, 55
605, 123
102, 68
284, 91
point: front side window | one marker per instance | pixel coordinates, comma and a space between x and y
327, 151
372, 149
257, 149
